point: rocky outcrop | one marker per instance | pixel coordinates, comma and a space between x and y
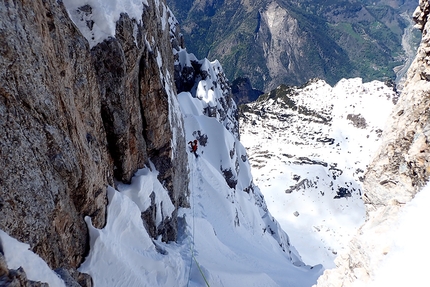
73, 120
54, 157
138, 104
400, 168
243, 92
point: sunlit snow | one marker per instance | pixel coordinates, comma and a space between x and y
407, 250
227, 231
18, 254
309, 151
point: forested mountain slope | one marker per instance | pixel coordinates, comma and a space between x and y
289, 42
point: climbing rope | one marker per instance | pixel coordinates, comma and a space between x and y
201, 272
192, 239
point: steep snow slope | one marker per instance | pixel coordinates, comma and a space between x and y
309, 148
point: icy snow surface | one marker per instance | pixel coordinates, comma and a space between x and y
123, 254
308, 151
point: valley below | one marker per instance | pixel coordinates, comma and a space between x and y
410, 41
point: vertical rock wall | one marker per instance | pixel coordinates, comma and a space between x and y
400, 168
54, 161
73, 120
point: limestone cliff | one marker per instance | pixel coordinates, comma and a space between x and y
401, 167
75, 119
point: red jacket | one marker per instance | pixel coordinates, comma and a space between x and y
193, 146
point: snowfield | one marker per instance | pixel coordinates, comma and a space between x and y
309, 148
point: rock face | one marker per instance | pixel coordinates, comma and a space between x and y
73, 120
398, 171
243, 92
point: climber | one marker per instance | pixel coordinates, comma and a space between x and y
193, 147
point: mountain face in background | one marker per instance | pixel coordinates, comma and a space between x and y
289, 42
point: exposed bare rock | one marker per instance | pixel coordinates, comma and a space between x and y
55, 165
73, 120
73, 278
243, 92
421, 13
400, 168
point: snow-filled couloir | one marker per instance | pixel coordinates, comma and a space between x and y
227, 237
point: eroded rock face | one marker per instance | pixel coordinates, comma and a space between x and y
243, 92
400, 168
73, 119
55, 165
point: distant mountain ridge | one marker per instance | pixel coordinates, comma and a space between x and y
289, 42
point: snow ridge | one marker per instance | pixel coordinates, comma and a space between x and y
229, 211
208, 83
